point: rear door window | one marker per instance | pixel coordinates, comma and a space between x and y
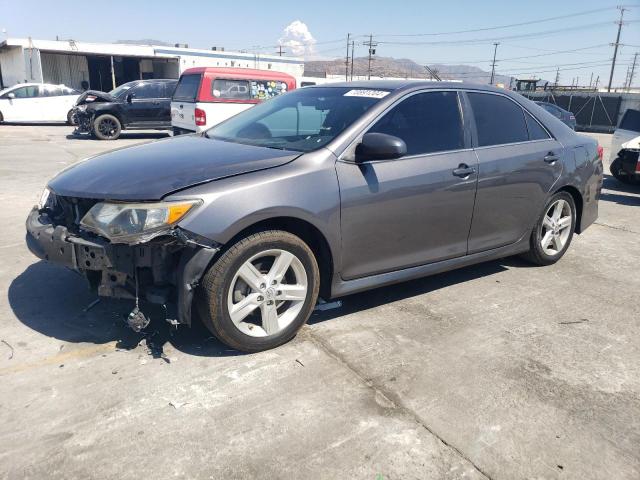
631, 121
187, 88
498, 120
427, 122
536, 132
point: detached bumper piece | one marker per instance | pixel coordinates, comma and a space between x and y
168, 268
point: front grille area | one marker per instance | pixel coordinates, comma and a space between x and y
68, 211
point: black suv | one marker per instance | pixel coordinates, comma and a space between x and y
142, 104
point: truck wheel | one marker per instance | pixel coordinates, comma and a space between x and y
553, 231
106, 127
260, 292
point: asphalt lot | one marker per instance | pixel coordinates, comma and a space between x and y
501, 370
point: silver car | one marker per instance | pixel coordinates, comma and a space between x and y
324, 191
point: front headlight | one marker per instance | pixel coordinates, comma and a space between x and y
44, 198
117, 221
82, 108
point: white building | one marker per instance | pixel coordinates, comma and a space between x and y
103, 66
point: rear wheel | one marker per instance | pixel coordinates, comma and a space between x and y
553, 232
260, 292
106, 127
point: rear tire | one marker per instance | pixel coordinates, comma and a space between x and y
260, 292
106, 127
553, 231
620, 175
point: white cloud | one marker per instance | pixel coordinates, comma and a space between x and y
297, 39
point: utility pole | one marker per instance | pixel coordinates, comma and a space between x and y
493, 64
353, 47
626, 79
346, 62
633, 70
615, 49
557, 76
280, 50
372, 51
590, 80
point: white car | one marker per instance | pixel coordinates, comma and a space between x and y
628, 129
37, 102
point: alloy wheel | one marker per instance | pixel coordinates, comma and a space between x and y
267, 293
556, 227
107, 127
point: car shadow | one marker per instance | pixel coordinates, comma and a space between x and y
123, 136
609, 182
56, 302
401, 291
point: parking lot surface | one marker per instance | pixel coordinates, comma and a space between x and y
500, 370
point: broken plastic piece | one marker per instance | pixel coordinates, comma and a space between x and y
137, 320
322, 305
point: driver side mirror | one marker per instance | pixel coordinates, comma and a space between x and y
11, 95
380, 146
129, 97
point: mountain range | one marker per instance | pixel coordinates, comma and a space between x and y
403, 68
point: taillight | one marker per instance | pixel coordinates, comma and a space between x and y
638, 167
201, 117
600, 152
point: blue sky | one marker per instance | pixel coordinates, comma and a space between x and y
259, 25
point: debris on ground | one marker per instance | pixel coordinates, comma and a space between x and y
572, 322
177, 405
8, 345
298, 361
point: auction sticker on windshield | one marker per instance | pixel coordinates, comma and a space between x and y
366, 93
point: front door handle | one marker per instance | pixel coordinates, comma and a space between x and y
463, 170
551, 158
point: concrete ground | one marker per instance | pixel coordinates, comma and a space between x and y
500, 370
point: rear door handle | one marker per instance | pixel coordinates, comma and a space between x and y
551, 157
463, 170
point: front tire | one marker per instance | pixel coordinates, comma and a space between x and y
553, 231
260, 292
106, 127
70, 118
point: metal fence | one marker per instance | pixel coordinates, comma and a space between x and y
594, 112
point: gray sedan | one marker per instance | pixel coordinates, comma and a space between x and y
324, 191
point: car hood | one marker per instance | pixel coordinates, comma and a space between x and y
155, 170
97, 96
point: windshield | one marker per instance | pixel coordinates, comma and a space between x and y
302, 120
116, 92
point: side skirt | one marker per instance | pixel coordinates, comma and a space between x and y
341, 287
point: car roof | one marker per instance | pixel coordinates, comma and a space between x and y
397, 85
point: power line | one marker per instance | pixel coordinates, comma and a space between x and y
508, 37
498, 27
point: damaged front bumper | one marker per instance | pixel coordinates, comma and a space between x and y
166, 269
82, 119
